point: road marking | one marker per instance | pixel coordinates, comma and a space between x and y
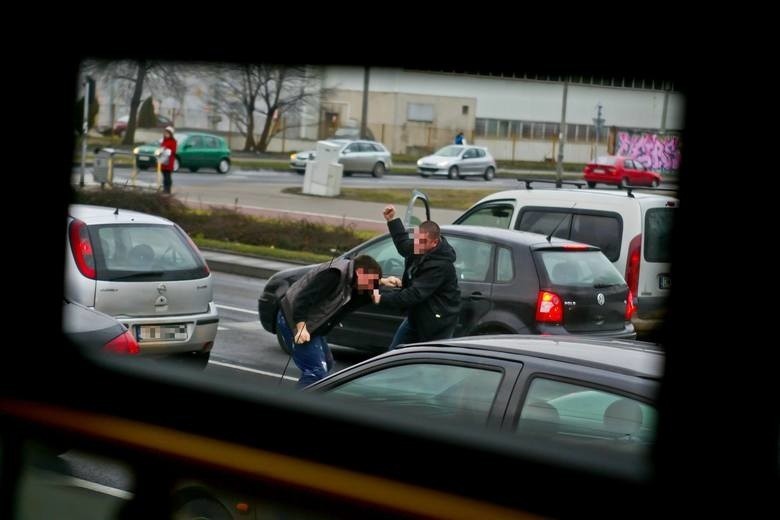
253, 370
100, 488
237, 309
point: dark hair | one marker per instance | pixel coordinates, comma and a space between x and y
367, 263
431, 228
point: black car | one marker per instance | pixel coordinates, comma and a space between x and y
579, 393
95, 331
511, 283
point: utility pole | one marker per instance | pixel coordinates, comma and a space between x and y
666, 104
598, 121
562, 135
364, 116
84, 128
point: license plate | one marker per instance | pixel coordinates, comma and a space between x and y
598, 170
161, 332
144, 158
664, 281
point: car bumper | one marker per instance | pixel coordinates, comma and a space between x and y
431, 170
627, 332
194, 332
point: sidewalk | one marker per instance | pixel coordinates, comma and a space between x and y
244, 265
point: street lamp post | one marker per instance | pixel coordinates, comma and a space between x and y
598, 121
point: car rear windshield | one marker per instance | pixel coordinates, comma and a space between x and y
658, 228
140, 252
579, 268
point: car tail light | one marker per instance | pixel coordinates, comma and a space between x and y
630, 307
549, 308
632, 266
577, 247
123, 344
82, 249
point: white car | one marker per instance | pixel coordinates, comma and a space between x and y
458, 161
633, 231
146, 272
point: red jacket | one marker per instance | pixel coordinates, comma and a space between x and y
170, 143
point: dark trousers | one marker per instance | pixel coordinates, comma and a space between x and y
407, 334
313, 358
167, 181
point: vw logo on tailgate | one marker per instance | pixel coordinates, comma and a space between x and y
600, 298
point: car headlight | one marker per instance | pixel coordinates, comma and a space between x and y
137, 150
419, 162
293, 156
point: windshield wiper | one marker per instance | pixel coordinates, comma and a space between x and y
139, 274
605, 285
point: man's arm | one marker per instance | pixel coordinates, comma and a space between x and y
403, 244
424, 284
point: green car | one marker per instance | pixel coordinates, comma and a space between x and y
193, 151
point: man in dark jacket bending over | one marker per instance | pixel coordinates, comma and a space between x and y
429, 288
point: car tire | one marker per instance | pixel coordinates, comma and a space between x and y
655, 183
453, 173
176, 164
347, 174
490, 172
379, 170
282, 344
144, 167
193, 169
591, 184
424, 175
223, 166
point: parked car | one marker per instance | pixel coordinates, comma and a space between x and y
633, 230
120, 125
509, 282
147, 273
458, 161
298, 160
193, 151
619, 171
364, 157
96, 331
583, 393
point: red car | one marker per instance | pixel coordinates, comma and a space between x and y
620, 171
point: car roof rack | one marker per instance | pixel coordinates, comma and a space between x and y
630, 189
558, 183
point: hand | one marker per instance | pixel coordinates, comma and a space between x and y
390, 281
375, 296
389, 212
302, 333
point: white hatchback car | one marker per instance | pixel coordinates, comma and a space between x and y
631, 228
146, 272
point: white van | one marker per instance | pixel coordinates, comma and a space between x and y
632, 229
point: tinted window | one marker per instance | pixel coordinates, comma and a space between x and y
195, 141
123, 251
447, 392
493, 215
658, 228
572, 412
539, 221
504, 268
473, 257
598, 230
583, 268
470, 154
211, 142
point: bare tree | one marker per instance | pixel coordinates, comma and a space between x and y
134, 76
267, 90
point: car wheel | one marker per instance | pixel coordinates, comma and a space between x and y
655, 183
223, 166
424, 175
379, 170
490, 173
624, 183
193, 169
453, 173
347, 174
591, 184
144, 167
282, 343
176, 164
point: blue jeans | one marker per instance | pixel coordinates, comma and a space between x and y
313, 358
404, 334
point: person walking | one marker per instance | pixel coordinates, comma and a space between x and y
317, 302
429, 290
167, 158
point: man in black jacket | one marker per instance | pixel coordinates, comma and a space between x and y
429, 288
317, 302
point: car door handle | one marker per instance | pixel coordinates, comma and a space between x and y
477, 296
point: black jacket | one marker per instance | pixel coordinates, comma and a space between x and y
430, 293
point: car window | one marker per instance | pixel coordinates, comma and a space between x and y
658, 230
580, 268
598, 230
578, 413
352, 148
195, 141
543, 222
386, 254
505, 270
450, 151
210, 142
122, 250
449, 392
489, 215
472, 262
470, 154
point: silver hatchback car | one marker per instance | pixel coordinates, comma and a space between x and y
458, 161
146, 272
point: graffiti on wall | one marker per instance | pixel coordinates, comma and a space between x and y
659, 153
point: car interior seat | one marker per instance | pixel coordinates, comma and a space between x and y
623, 418
141, 255
539, 418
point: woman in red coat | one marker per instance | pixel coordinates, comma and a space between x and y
168, 157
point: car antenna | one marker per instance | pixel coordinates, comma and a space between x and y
549, 237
